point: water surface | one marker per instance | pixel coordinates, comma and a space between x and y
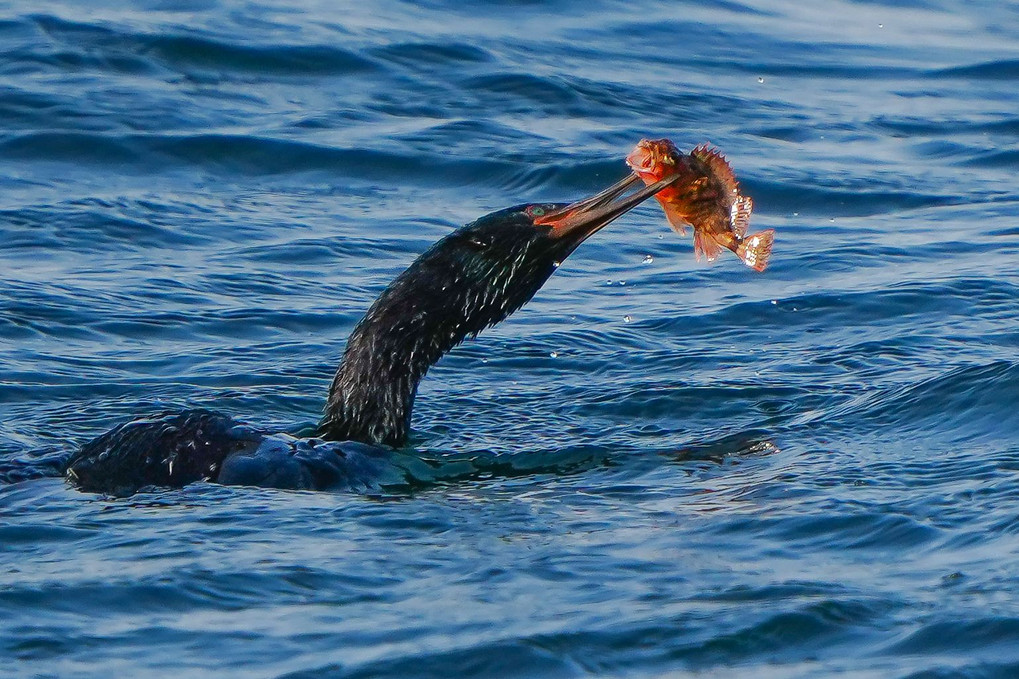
656, 468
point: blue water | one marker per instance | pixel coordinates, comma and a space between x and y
656, 468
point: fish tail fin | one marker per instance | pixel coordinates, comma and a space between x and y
704, 244
755, 249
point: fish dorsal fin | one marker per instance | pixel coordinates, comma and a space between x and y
719, 166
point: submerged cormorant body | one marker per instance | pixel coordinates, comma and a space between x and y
467, 281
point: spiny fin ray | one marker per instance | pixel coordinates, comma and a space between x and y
714, 159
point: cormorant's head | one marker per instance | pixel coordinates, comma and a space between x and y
552, 230
484, 271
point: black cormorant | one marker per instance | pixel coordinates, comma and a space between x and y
467, 281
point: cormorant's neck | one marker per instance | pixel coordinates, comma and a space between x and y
468, 281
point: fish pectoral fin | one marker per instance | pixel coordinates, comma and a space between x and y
704, 244
677, 223
741, 209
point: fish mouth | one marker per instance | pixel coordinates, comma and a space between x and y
649, 154
578, 221
641, 158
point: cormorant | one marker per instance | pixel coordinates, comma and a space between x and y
469, 280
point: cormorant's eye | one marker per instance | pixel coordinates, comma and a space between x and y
535, 211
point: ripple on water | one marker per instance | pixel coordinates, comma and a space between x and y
427, 55
1001, 69
809, 472
992, 638
102, 45
495, 658
963, 403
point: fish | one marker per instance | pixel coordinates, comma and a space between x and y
706, 197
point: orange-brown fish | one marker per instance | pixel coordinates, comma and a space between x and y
706, 196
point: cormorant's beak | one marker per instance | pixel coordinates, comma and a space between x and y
580, 220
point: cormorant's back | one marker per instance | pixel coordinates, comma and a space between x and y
176, 449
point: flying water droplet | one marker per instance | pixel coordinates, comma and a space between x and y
648, 259
554, 354
760, 79
627, 319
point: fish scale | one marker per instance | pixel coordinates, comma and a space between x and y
706, 197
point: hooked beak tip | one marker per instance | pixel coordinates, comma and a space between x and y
586, 217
